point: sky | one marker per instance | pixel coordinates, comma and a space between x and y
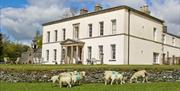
20, 19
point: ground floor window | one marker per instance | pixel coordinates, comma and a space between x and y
47, 55
89, 52
156, 58
55, 54
113, 51
100, 51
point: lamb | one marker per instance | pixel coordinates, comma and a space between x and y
141, 73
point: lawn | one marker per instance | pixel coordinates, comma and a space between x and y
29, 67
162, 86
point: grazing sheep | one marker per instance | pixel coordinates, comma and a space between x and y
116, 76
141, 73
78, 76
113, 76
65, 80
55, 78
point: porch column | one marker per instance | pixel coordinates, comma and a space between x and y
77, 53
82, 55
71, 61
65, 59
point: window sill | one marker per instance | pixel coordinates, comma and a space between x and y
112, 59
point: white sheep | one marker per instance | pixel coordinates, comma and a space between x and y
55, 78
141, 73
116, 76
65, 80
113, 76
78, 76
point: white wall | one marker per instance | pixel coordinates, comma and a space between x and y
141, 48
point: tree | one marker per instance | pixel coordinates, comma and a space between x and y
11, 49
38, 39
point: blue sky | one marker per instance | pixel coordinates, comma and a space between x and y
13, 3
20, 19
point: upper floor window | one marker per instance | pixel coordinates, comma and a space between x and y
48, 36
154, 34
90, 30
76, 31
101, 28
56, 35
173, 41
164, 38
113, 26
64, 34
113, 51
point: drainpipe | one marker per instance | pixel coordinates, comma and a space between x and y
128, 35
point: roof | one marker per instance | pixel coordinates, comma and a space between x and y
103, 11
71, 41
173, 35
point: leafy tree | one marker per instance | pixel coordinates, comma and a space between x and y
11, 49
38, 39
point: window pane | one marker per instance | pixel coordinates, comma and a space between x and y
90, 30
101, 28
113, 26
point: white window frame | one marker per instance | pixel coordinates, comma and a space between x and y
154, 34
156, 59
55, 35
76, 31
55, 54
100, 51
48, 36
101, 28
47, 55
173, 41
113, 51
89, 52
90, 27
164, 38
64, 34
114, 26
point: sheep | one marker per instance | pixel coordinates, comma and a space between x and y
70, 77
141, 73
54, 78
117, 77
65, 80
113, 75
78, 76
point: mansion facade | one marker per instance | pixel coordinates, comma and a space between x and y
118, 35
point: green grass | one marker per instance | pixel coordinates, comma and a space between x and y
163, 86
85, 67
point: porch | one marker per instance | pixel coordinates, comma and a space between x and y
72, 51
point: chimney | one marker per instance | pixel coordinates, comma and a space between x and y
83, 11
145, 9
98, 7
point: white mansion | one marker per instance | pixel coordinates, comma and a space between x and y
118, 35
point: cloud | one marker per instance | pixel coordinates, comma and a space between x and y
168, 10
22, 23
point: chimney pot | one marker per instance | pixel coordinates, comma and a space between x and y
98, 7
83, 11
